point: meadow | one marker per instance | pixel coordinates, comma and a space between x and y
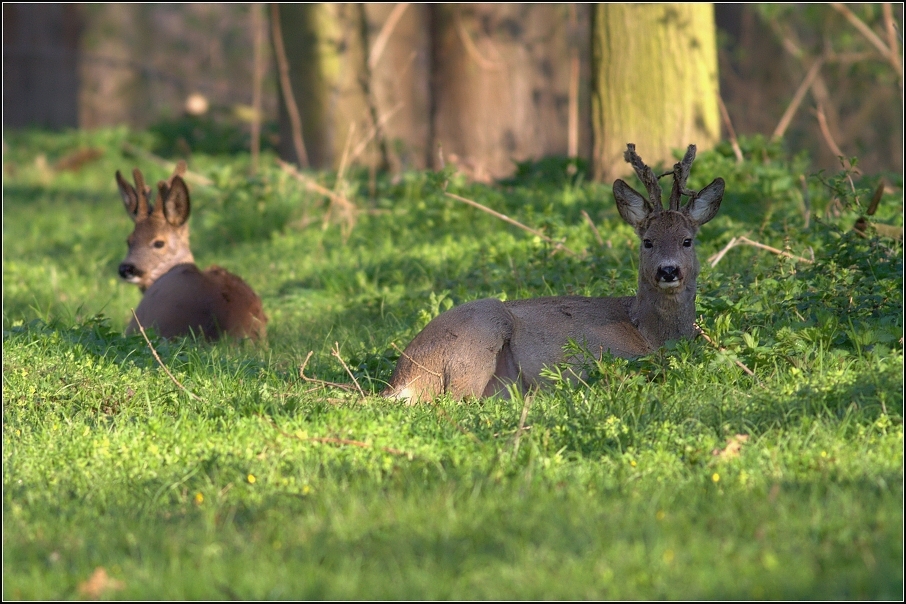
764, 462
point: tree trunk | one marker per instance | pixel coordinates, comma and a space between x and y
40, 65
501, 84
656, 82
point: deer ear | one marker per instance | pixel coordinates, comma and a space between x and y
632, 206
130, 197
705, 205
176, 202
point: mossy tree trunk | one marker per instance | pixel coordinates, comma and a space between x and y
655, 82
373, 106
501, 84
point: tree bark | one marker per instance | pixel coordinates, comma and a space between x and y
41, 46
501, 84
656, 82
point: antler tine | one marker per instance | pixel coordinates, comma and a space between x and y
647, 177
680, 176
141, 191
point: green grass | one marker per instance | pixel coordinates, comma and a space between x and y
260, 484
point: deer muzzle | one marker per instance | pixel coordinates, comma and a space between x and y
130, 272
669, 277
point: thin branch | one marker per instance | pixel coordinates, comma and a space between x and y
416, 363
509, 220
739, 363
472, 49
386, 31
309, 380
797, 98
894, 44
525, 409
257, 26
336, 353
332, 440
734, 142
832, 144
157, 356
594, 229
374, 130
315, 187
292, 109
742, 240
864, 29
713, 260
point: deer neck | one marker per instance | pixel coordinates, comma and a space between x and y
661, 316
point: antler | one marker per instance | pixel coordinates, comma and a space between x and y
646, 176
680, 176
141, 191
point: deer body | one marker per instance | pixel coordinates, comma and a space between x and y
179, 298
480, 347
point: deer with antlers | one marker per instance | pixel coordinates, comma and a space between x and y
180, 299
483, 347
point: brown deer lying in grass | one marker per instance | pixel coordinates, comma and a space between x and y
178, 297
479, 348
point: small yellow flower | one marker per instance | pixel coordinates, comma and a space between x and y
632, 462
252, 479
823, 453
199, 498
668, 556
660, 515
716, 477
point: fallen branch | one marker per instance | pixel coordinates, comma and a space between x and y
157, 356
509, 220
713, 260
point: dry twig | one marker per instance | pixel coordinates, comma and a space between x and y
594, 229
336, 353
807, 82
505, 218
722, 349
713, 260
157, 356
310, 380
333, 440
386, 31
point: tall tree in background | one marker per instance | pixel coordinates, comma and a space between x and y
359, 74
501, 84
655, 82
40, 64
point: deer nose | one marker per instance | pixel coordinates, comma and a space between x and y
129, 271
668, 274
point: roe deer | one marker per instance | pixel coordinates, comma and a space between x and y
178, 297
480, 347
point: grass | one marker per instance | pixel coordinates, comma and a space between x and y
674, 476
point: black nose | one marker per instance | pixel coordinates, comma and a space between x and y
668, 273
129, 271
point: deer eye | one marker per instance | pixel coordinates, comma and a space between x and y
647, 243
687, 243
159, 243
